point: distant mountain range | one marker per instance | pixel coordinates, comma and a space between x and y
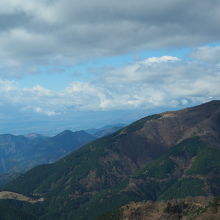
160, 157
20, 153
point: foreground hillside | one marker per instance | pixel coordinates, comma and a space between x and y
197, 208
160, 157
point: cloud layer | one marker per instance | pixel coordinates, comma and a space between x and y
42, 32
54, 35
164, 81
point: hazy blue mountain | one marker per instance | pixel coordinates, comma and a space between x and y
20, 153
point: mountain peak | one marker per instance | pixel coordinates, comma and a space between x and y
64, 134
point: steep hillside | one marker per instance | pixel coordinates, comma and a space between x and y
163, 156
19, 153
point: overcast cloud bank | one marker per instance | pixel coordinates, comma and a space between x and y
34, 33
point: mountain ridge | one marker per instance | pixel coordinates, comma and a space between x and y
150, 159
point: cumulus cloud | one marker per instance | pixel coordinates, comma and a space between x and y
161, 59
42, 32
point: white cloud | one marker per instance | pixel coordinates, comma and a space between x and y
161, 59
48, 113
154, 82
152, 69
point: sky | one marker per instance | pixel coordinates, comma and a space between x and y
68, 64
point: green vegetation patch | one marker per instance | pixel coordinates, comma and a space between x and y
183, 188
164, 166
160, 169
100, 203
207, 159
17, 210
116, 214
188, 148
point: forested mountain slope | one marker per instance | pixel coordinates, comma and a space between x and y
164, 156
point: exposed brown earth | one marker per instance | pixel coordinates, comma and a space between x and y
19, 197
174, 127
197, 208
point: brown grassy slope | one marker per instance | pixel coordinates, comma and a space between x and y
198, 208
